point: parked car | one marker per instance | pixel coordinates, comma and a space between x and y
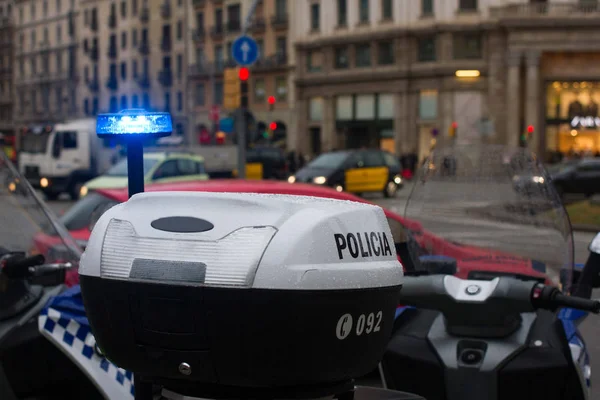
158, 167
569, 177
471, 260
354, 171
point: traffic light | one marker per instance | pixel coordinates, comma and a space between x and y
244, 75
273, 126
271, 101
452, 130
220, 137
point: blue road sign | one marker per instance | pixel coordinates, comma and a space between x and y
226, 125
245, 50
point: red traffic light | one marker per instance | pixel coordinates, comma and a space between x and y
244, 74
273, 126
530, 129
271, 100
454, 125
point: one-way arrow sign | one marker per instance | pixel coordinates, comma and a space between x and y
245, 50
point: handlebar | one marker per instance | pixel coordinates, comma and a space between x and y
550, 298
17, 266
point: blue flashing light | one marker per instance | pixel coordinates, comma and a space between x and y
134, 122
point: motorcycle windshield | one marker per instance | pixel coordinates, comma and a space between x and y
488, 211
27, 223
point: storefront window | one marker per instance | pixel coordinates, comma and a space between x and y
428, 104
315, 109
343, 108
365, 107
572, 120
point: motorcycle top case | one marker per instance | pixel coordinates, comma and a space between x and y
242, 289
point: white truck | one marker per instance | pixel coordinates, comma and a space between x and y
61, 158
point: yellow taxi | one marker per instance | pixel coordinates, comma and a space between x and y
354, 171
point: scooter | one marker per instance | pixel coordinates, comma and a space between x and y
46, 348
502, 337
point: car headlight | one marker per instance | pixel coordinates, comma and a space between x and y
83, 191
319, 180
538, 179
292, 179
397, 180
44, 182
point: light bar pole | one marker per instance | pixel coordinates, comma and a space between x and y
135, 166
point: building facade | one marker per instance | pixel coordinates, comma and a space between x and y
6, 68
133, 55
215, 24
398, 75
45, 61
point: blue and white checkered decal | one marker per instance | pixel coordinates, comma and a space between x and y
64, 323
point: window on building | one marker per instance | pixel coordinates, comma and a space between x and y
95, 106
387, 10
281, 88
113, 104
342, 19
427, 7
134, 7
179, 66
134, 38
200, 94
179, 30
123, 102
314, 61
341, 58
86, 107
123, 40
280, 8
134, 101
426, 49
124, 70
259, 90
123, 9
167, 102
363, 11
58, 32
467, 46
467, 5
45, 8
363, 55
281, 46
385, 53
218, 93
146, 101
179, 101
59, 66
315, 16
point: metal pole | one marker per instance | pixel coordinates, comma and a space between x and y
241, 131
248, 21
241, 123
135, 166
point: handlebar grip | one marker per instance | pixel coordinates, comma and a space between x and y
18, 267
578, 303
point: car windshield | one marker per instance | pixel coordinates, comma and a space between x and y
120, 169
34, 143
329, 160
78, 216
471, 213
561, 167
